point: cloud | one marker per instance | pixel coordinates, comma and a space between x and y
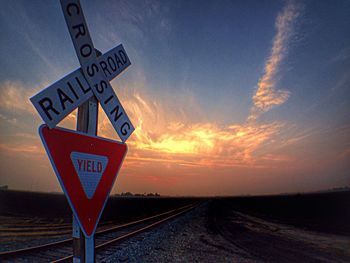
14, 97
166, 132
15, 106
342, 55
164, 135
24, 149
345, 154
167, 135
267, 95
205, 143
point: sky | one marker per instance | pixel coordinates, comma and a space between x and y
227, 98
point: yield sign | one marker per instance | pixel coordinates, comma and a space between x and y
86, 167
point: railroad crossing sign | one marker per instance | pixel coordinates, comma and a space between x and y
86, 167
56, 101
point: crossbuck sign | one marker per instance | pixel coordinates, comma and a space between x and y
58, 100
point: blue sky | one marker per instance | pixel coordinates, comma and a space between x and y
250, 90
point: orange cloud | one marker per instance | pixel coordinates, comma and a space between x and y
22, 149
164, 136
14, 97
267, 95
14, 100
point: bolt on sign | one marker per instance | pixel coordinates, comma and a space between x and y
86, 166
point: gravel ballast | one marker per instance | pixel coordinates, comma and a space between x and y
184, 239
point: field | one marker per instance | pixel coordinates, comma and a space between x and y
321, 212
282, 228
55, 208
289, 228
41, 218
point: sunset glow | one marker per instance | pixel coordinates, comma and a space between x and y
236, 104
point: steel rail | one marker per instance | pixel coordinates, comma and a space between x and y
131, 234
104, 231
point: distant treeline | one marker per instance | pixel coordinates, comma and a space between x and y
131, 194
4, 187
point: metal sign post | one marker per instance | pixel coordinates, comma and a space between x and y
87, 120
78, 242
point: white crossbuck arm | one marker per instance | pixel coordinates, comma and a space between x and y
94, 75
56, 101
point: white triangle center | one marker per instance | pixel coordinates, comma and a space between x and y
89, 168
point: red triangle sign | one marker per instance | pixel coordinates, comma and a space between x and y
86, 167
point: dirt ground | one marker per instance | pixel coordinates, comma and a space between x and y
201, 236
270, 239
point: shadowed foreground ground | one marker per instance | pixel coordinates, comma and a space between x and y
295, 228
290, 228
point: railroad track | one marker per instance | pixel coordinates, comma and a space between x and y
61, 251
